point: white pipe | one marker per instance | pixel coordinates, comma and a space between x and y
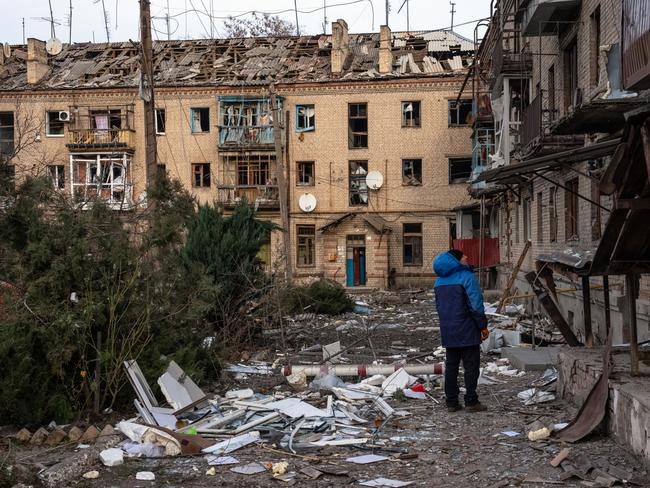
363, 370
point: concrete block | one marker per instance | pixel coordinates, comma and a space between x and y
531, 360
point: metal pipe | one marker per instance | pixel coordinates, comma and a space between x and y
586, 308
362, 370
630, 285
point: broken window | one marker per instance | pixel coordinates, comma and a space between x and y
201, 175
570, 57
412, 172
200, 120
161, 120
7, 177
306, 237
6, 134
459, 113
357, 183
411, 114
460, 170
357, 125
54, 124
306, 175
57, 175
101, 176
412, 244
594, 47
552, 215
106, 119
305, 118
540, 219
246, 121
571, 210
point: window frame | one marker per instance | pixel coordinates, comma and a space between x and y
48, 124
360, 180
357, 133
452, 107
415, 240
300, 165
193, 120
306, 241
572, 210
202, 175
4, 140
415, 181
417, 121
299, 117
56, 173
459, 180
164, 121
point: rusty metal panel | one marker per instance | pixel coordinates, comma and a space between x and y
636, 44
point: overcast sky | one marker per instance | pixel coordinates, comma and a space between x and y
186, 22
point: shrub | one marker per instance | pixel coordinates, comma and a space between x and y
322, 296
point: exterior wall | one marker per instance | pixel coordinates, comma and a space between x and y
434, 142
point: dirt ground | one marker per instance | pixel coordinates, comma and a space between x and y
429, 447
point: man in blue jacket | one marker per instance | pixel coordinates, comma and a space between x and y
463, 326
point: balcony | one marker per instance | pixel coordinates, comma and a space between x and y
263, 197
506, 60
102, 177
245, 123
546, 17
636, 44
98, 139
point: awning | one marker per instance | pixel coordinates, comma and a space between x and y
375, 222
512, 173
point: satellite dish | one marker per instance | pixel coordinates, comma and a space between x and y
307, 202
53, 46
374, 180
6, 49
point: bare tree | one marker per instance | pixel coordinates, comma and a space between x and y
258, 25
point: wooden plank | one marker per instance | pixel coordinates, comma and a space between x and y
513, 277
551, 309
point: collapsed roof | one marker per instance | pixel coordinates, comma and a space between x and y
241, 61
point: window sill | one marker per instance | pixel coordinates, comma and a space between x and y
59, 136
354, 148
412, 265
417, 185
302, 131
199, 133
411, 126
305, 266
160, 133
457, 126
305, 184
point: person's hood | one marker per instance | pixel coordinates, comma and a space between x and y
446, 264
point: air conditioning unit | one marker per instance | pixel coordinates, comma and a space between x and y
64, 116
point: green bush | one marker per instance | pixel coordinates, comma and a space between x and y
322, 296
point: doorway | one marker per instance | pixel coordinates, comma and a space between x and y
356, 260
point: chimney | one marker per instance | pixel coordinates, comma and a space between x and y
340, 45
385, 50
37, 66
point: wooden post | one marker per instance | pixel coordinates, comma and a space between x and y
146, 93
513, 277
282, 185
586, 310
630, 288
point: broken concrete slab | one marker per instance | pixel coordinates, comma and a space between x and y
531, 360
111, 457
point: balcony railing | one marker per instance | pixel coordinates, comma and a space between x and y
247, 135
91, 139
636, 44
261, 196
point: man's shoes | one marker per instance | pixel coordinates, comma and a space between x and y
477, 407
454, 408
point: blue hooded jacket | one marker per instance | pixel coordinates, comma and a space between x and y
459, 301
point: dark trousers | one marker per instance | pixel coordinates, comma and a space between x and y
471, 357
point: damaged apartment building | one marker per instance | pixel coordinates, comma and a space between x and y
552, 86
376, 146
